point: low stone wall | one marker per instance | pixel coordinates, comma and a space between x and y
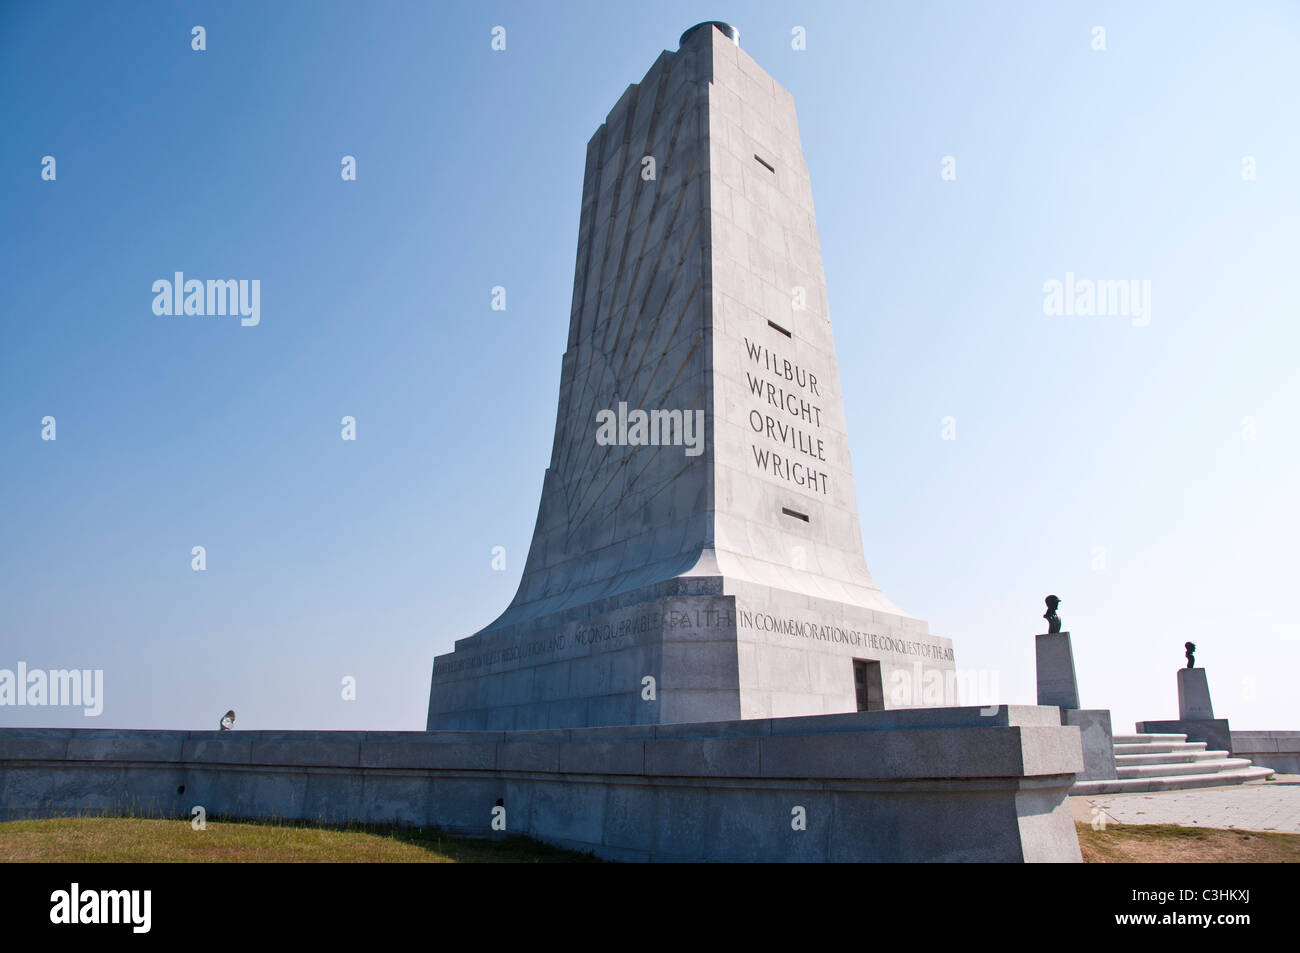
1279, 750
954, 784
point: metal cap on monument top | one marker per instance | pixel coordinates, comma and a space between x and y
726, 29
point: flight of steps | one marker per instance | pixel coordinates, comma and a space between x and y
1170, 763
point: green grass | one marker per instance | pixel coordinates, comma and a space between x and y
87, 839
99, 839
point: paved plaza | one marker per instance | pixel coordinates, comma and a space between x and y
1258, 806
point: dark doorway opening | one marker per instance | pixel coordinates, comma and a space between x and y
867, 683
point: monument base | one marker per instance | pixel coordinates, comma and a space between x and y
1194, 695
1056, 681
690, 649
1213, 731
940, 784
1098, 741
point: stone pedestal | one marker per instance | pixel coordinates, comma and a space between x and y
1213, 731
1098, 742
1194, 695
1195, 714
1056, 681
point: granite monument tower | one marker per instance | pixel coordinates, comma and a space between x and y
697, 554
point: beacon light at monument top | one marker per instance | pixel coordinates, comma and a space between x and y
664, 586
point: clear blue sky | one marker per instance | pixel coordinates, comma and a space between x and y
329, 558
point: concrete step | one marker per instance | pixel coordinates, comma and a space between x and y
1180, 769
1172, 783
1160, 747
1144, 739
1168, 757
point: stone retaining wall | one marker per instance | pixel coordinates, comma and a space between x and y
955, 784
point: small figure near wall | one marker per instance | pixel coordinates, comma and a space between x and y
1190, 653
228, 720
1053, 621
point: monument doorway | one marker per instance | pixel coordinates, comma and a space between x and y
868, 684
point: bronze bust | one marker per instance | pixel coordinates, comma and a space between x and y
1053, 620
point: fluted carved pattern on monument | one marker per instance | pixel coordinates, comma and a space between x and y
614, 517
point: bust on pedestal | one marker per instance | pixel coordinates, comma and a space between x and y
1058, 686
1195, 712
1193, 689
1056, 682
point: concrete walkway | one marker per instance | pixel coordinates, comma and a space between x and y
1257, 806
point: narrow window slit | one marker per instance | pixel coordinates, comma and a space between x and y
799, 516
764, 163
773, 324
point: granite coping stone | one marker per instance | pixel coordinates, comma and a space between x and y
952, 743
125, 746
18, 747
1265, 742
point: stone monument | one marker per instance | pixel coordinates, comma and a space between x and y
697, 554
1195, 711
1058, 685
1055, 662
696, 559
